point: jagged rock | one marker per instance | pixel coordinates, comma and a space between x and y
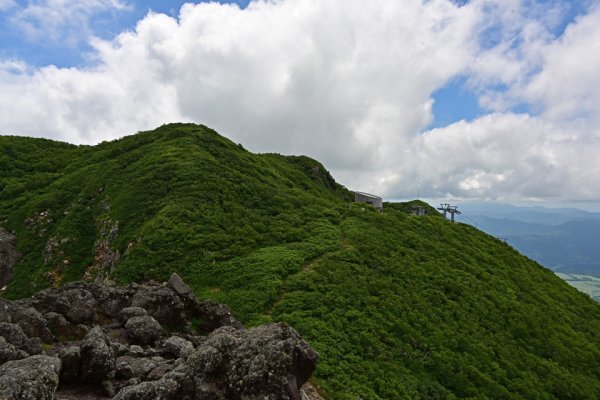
137, 367
13, 334
130, 312
163, 304
159, 371
271, 359
31, 322
73, 301
309, 392
124, 370
110, 299
33, 346
179, 286
97, 357
143, 330
63, 329
70, 358
33, 378
215, 315
9, 351
178, 347
5, 307
164, 389
269, 362
136, 351
9, 255
119, 349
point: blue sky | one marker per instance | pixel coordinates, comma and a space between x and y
106, 24
481, 99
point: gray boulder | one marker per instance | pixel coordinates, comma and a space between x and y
63, 329
163, 304
13, 334
33, 378
269, 362
128, 367
178, 347
130, 312
179, 286
164, 389
159, 371
33, 346
97, 357
77, 305
266, 362
143, 330
214, 315
10, 352
110, 299
31, 322
70, 358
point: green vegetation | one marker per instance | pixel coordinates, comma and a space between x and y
398, 306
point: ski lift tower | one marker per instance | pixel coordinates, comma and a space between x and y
444, 208
447, 208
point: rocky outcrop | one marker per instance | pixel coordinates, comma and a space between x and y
9, 256
31, 378
138, 342
105, 258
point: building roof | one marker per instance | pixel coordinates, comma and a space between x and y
367, 194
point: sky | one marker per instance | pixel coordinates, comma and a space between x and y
472, 100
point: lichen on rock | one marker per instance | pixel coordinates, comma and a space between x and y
137, 342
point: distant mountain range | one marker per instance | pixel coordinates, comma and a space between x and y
565, 240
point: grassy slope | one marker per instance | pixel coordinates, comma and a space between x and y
398, 306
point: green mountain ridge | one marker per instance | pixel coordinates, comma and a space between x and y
398, 306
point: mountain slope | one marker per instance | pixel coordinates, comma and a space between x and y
398, 306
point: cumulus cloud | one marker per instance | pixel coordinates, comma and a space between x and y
61, 20
349, 83
503, 157
568, 86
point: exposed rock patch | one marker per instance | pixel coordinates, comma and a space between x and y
138, 342
9, 255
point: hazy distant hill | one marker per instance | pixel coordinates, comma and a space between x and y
563, 239
586, 283
398, 306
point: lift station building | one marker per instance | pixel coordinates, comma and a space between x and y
375, 201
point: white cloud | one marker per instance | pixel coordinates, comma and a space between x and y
503, 157
62, 20
6, 5
349, 83
568, 86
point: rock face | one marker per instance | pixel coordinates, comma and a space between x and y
8, 255
111, 342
